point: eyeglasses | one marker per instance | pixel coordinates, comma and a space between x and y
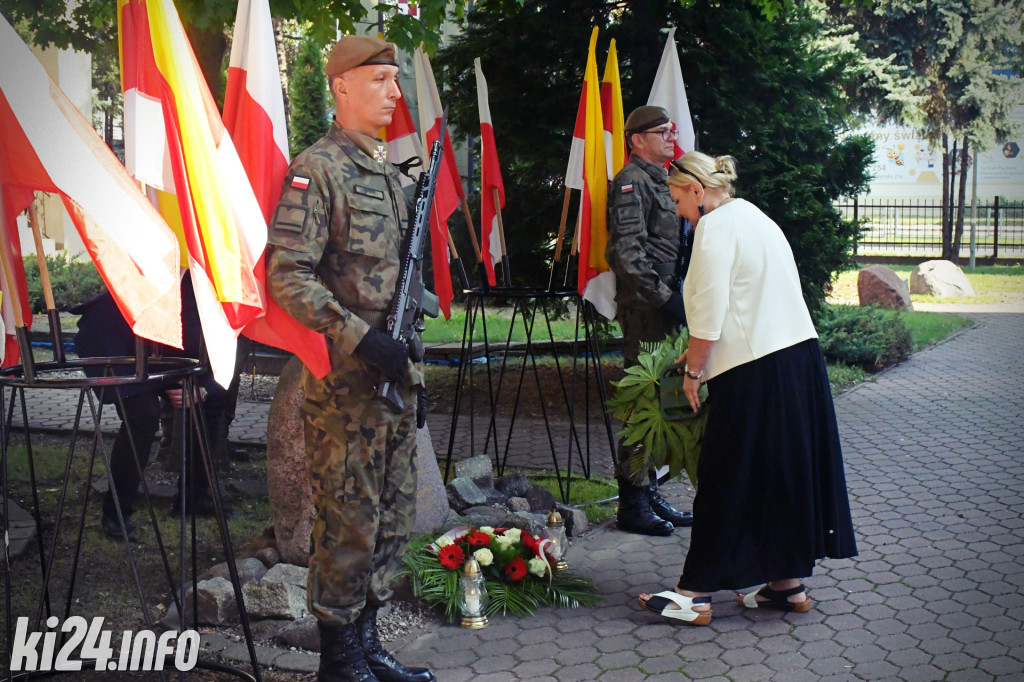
666, 133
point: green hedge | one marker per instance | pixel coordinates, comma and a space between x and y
73, 281
868, 337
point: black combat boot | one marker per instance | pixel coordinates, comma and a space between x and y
381, 663
635, 514
665, 510
341, 655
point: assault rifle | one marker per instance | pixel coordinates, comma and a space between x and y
412, 300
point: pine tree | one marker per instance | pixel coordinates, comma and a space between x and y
307, 93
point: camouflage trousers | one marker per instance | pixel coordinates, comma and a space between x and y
643, 329
362, 460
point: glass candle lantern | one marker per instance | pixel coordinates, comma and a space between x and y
472, 596
556, 534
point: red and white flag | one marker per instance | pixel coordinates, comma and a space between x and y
490, 180
254, 116
175, 142
403, 140
669, 93
596, 281
449, 192
47, 145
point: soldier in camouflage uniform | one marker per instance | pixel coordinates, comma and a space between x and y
646, 251
333, 264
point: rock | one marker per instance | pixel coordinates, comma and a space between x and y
21, 528
249, 570
575, 520
431, 498
941, 278
518, 504
528, 521
291, 502
513, 485
478, 468
485, 516
275, 598
216, 599
463, 493
540, 499
269, 556
880, 286
289, 574
302, 633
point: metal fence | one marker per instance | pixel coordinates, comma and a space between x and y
914, 228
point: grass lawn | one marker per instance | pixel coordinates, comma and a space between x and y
498, 321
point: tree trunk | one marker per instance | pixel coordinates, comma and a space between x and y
947, 223
282, 67
209, 47
961, 202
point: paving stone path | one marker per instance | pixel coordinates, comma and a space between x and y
934, 452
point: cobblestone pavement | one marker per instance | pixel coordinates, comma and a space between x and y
934, 452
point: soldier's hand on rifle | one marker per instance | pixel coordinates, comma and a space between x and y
421, 406
674, 307
383, 352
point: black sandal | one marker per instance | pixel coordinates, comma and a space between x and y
775, 599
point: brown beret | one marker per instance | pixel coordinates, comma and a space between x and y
353, 51
644, 118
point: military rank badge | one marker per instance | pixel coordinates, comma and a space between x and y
380, 154
299, 182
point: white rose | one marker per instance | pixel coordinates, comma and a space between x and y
487, 529
483, 556
443, 541
537, 566
503, 540
514, 534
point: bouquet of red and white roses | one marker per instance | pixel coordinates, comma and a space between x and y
517, 569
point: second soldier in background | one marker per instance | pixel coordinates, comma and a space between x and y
646, 251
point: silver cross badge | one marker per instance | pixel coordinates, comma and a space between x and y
380, 154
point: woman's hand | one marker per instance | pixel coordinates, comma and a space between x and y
691, 388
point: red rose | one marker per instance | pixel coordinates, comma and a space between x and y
531, 543
516, 569
451, 557
478, 539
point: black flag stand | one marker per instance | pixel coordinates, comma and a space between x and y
67, 530
507, 366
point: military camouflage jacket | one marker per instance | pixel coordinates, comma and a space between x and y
333, 247
643, 231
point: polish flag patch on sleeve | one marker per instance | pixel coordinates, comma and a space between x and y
299, 182
626, 189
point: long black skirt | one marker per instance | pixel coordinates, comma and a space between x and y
771, 492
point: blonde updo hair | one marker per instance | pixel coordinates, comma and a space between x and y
716, 172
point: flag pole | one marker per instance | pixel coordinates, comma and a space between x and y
44, 278
506, 274
459, 267
12, 288
561, 236
474, 241
574, 253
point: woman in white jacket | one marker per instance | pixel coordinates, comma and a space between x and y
771, 497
